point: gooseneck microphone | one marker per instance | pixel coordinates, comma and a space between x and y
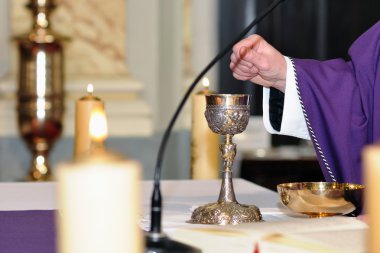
156, 241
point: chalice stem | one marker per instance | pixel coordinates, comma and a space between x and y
227, 152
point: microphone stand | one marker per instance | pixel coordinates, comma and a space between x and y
156, 241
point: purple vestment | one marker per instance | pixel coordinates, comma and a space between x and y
341, 104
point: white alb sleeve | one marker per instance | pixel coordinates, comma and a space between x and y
293, 121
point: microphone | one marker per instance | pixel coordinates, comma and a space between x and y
156, 241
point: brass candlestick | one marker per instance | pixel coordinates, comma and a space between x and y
40, 88
227, 115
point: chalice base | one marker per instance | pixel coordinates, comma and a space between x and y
224, 213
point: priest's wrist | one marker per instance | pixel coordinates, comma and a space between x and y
280, 85
280, 82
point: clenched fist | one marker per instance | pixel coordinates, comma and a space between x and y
256, 60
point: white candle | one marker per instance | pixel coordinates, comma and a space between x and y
371, 165
83, 110
204, 143
99, 203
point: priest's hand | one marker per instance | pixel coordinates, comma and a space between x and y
256, 60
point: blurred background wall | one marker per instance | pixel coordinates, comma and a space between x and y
167, 43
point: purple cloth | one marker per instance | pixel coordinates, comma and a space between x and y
340, 100
27, 231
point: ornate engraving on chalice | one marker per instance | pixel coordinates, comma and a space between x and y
227, 115
40, 88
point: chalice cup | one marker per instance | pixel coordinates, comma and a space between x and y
227, 115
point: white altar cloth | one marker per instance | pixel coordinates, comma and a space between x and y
180, 197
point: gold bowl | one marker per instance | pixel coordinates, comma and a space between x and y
320, 199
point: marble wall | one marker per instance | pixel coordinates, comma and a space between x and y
96, 29
160, 39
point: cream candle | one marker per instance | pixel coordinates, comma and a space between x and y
98, 201
204, 143
371, 165
83, 109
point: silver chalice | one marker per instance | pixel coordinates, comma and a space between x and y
227, 115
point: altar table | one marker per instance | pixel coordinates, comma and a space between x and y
180, 197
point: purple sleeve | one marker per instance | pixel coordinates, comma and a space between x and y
338, 101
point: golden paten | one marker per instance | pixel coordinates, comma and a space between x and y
320, 199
